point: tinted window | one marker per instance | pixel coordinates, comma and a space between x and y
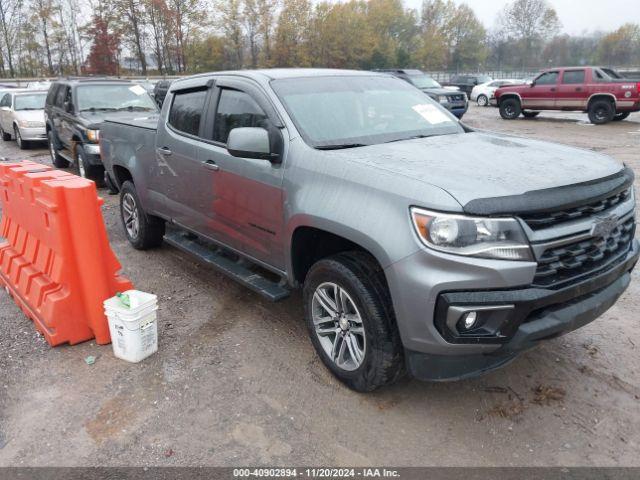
549, 78
573, 76
186, 111
51, 96
61, 95
236, 109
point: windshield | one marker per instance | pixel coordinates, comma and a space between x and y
114, 97
423, 81
30, 102
343, 112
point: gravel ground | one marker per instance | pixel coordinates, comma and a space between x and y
236, 380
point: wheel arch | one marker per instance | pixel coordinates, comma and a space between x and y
309, 244
601, 96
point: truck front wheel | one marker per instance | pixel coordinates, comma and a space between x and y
510, 108
618, 117
142, 230
601, 111
350, 319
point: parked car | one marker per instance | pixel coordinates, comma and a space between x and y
604, 94
454, 101
74, 110
410, 251
483, 93
160, 91
22, 117
467, 82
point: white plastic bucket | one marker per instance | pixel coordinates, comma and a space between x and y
134, 329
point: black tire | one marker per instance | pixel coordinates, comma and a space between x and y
482, 100
150, 228
22, 145
510, 108
618, 117
358, 274
601, 111
56, 159
86, 170
5, 136
530, 114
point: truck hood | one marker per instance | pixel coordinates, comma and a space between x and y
440, 91
94, 119
471, 166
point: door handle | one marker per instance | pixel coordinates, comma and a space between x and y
164, 151
211, 165
553, 89
578, 89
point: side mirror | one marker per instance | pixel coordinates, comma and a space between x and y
251, 142
68, 107
533, 83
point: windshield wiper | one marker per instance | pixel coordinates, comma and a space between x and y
137, 108
341, 146
413, 137
100, 109
22, 109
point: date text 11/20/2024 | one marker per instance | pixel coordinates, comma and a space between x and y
315, 472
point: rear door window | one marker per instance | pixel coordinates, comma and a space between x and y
573, 76
236, 109
186, 111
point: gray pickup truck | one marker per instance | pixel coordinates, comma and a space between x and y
419, 245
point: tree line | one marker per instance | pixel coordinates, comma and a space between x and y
43, 38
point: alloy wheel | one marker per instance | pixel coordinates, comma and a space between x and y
81, 170
18, 137
338, 326
130, 215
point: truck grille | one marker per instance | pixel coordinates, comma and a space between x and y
456, 98
548, 219
561, 265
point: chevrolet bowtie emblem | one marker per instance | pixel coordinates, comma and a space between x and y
604, 225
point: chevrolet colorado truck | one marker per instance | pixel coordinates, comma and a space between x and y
73, 111
601, 92
418, 244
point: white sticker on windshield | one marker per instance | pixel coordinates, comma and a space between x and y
138, 90
431, 113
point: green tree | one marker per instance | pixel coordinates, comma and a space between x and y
621, 47
291, 37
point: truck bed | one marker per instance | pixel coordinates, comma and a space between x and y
127, 141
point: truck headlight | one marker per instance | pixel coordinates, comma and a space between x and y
93, 135
499, 238
443, 99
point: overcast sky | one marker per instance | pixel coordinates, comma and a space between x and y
575, 15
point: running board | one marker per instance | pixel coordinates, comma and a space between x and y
237, 270
67, 156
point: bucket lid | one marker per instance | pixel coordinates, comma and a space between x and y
138, 301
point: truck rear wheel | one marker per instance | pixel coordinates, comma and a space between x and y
601, 111
142, 230
350, 318
510, 108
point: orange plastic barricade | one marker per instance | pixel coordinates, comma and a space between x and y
55, 258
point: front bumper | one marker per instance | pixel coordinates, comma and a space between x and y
92, 152
532, 315
458, 109
38, 134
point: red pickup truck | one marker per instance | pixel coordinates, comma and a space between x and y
601, 92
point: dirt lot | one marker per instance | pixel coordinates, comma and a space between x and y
236, 380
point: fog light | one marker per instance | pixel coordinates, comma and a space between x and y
469, 320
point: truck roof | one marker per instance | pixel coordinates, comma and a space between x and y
279, 73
